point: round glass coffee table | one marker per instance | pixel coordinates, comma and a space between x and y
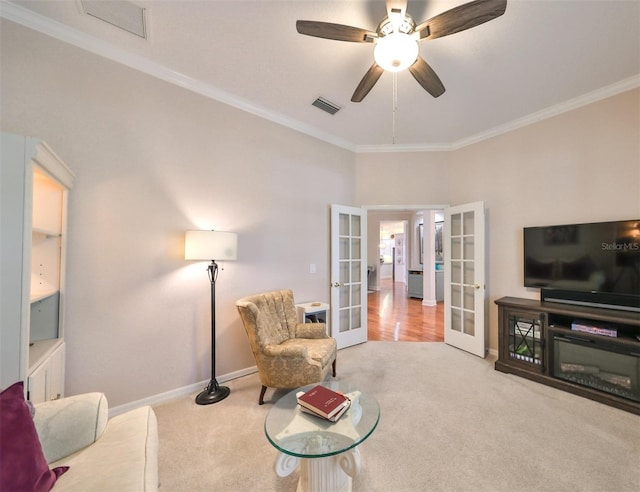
327, 452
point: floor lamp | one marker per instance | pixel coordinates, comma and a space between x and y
211, 245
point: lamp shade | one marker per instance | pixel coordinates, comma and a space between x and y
396, 52
210, 245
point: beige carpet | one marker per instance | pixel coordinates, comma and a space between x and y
449, 422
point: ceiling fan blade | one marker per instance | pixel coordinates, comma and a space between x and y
460, 18
367, 82
338, 32
426, 77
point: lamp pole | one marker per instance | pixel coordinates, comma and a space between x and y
213, 392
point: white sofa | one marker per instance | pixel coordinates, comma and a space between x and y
120, 454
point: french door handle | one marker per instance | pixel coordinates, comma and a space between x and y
475, 286
338, 284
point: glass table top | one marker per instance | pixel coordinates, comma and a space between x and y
294, 432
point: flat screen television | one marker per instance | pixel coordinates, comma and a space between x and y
594, 264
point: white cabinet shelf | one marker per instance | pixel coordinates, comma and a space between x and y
39, 295
34, 188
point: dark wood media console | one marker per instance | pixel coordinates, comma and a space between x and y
536, 342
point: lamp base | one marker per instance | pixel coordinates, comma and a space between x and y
213, 393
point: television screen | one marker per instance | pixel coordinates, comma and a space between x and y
599, 257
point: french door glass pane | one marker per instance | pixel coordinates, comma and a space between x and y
468, 223
456, 225
469, 323
355, 225
468, 247
344, 248
355, 318
344, 296
456, 272
344, 320
456, 296
355, 271
356, 249
469, 272
344, 272
355, 294
456, 320
469, 297
456, 249
344, 224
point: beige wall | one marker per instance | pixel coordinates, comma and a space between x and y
153, 160
580, 166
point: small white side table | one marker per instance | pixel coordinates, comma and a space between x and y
314, 312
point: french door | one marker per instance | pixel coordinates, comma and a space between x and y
348, 275
465, 290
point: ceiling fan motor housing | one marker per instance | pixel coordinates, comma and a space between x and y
407, 26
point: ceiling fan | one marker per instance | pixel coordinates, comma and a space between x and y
397, 36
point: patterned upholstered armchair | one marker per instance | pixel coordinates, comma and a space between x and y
288, 354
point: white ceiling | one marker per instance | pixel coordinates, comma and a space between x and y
540, 58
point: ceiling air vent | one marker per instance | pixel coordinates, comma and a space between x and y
325, 105
119, 13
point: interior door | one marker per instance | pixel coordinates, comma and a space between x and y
348, 275
464, 296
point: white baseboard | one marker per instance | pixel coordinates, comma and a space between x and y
195, 387
178, 392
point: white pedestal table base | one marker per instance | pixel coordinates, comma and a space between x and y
330, 474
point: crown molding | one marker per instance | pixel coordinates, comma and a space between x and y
64, 33
569, 105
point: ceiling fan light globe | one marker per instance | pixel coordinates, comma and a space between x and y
396, 52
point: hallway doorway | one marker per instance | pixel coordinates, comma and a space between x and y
391, 314
394, 317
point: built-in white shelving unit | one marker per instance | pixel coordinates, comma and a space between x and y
34, 188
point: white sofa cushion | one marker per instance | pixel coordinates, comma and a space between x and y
70, 424
124, 458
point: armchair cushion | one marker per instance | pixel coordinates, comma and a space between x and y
23, 466
311, 330
321, 350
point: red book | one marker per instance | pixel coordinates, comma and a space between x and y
322, 401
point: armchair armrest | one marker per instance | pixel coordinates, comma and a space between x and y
311, 330
286, 351
70, 424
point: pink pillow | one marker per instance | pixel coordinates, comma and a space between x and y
23, 466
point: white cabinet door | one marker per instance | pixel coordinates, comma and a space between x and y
55, 378
37, 386
46, 382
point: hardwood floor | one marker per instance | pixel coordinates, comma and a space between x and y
392, 316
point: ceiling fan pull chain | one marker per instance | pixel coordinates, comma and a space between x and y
395, 106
